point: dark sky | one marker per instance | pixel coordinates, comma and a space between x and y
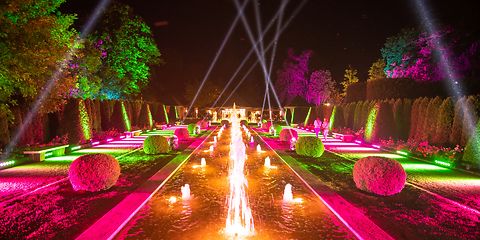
339, 32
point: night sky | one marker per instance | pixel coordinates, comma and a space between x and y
339, 32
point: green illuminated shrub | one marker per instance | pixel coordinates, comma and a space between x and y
156, 144
431, 118
421, 119
457, 124
384, 124
472, 104
444, 122
287, 134
309, 146
143, 118
278, 128
94, 172
191, 128
117, 119
77, 122
378, 175
407, 111
357, 118
414, 118
182, 133
472, 150
338, 118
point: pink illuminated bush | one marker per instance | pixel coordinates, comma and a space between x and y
156, 144
287, 134
181, 133
267, 125
203, 124
94, 172
379, 175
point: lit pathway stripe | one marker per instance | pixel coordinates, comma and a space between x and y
352, 217
112, 222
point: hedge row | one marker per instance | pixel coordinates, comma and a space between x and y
79, 120
438, 121
393, 88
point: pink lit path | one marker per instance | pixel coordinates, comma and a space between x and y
458, 188
25, 179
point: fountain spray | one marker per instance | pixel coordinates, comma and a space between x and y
239, 218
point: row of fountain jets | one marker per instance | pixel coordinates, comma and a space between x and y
239, 220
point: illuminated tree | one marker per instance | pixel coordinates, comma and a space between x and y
321, 88
399, 52
34, 41
128, 51
349, 78
377, 70
293, 78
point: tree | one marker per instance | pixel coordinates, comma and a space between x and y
377, 70
34, 42
128, 51
399, 52
321, 88
350, 77
293, 78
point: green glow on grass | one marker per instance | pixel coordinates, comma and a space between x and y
332, 118
446, 164
126, 120
75, 148
150, 118
293, 114
62, 158
166, 114
402, 153
362, 155
84, 120
370, 125
420, 167
308, 116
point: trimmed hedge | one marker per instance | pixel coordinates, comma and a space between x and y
378, 175
356, 92
309, 146
156, 144
94, 172
444, 122
388, 88
182, 133
191, 128
287, 134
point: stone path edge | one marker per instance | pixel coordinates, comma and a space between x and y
110, 224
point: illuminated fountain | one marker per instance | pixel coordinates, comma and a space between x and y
267, 162
185, 192
203, 162
259, 148
251, 140
287, 193
239, 220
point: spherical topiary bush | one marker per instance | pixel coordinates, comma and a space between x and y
244, 122
379, 175
287, 134
181, 133
278, 128
267, 125
156, 144
94, 172
191, 128
309, 146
